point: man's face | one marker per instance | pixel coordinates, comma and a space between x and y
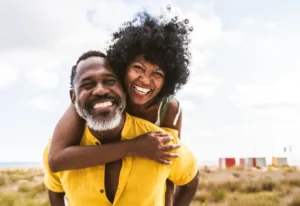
98, 95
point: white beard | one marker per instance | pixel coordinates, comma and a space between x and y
100, 125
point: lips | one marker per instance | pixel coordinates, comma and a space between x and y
102, 105
141, 91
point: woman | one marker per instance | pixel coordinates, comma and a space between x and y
151, 58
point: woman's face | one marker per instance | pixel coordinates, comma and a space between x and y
143, 80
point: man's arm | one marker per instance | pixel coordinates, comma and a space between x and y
184, 194
56, 199
184, 173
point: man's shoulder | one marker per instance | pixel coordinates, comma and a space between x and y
140, 123
135, 126
47, 147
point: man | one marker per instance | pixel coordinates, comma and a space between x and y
134, 181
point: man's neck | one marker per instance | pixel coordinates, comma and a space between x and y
110, 135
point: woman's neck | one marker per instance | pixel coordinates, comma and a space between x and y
141, 107
146, 111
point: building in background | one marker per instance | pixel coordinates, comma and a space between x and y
279, 161
253, 162
226, 162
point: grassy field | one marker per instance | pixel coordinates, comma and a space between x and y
232, 187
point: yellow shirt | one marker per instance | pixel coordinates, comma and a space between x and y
142, 182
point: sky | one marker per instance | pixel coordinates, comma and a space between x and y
241, 98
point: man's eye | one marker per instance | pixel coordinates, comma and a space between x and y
87, 85
111, 82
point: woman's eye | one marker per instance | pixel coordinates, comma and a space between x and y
158, 74
138, 68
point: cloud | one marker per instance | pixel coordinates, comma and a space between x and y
187, 105
270, 25
44, 79
250, 21
233, 36
203, 85
206, 31
8, 74
280, 92
44, 103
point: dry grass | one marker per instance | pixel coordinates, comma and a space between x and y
295, 201
3, 180
14, 199
250, 187
290, 169
202, 196
22, 188
262, 199
234, 187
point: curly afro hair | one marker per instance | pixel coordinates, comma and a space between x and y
161, 41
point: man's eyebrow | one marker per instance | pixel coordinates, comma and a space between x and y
90, 78
85, 79
110, 75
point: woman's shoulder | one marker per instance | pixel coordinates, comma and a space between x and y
172, 116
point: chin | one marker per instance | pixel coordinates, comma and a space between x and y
139, 102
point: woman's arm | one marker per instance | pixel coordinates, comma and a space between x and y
63, 155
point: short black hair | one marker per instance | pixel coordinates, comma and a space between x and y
84, 56
161, 41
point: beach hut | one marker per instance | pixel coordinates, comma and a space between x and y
279, 161
253, 162
226, 162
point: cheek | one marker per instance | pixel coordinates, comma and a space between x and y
130, 77
82, 97
159, 83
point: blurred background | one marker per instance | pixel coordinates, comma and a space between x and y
241, 99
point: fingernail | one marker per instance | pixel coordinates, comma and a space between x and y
171, 137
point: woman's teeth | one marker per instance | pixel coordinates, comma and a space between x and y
141, 90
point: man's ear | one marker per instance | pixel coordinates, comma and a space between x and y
72, 95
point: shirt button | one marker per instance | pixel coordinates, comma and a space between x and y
101, 191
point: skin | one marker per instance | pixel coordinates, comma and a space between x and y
143, 74
96, 79
139, 73
56, 199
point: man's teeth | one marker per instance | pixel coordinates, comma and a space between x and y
102, 105
141, 90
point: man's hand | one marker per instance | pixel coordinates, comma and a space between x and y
154, 145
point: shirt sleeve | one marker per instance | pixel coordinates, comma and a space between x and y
51, 179
185, 167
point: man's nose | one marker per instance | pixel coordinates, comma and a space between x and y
100, 89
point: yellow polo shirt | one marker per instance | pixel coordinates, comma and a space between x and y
142, 182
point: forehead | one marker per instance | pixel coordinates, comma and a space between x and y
145, 62
92, 67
